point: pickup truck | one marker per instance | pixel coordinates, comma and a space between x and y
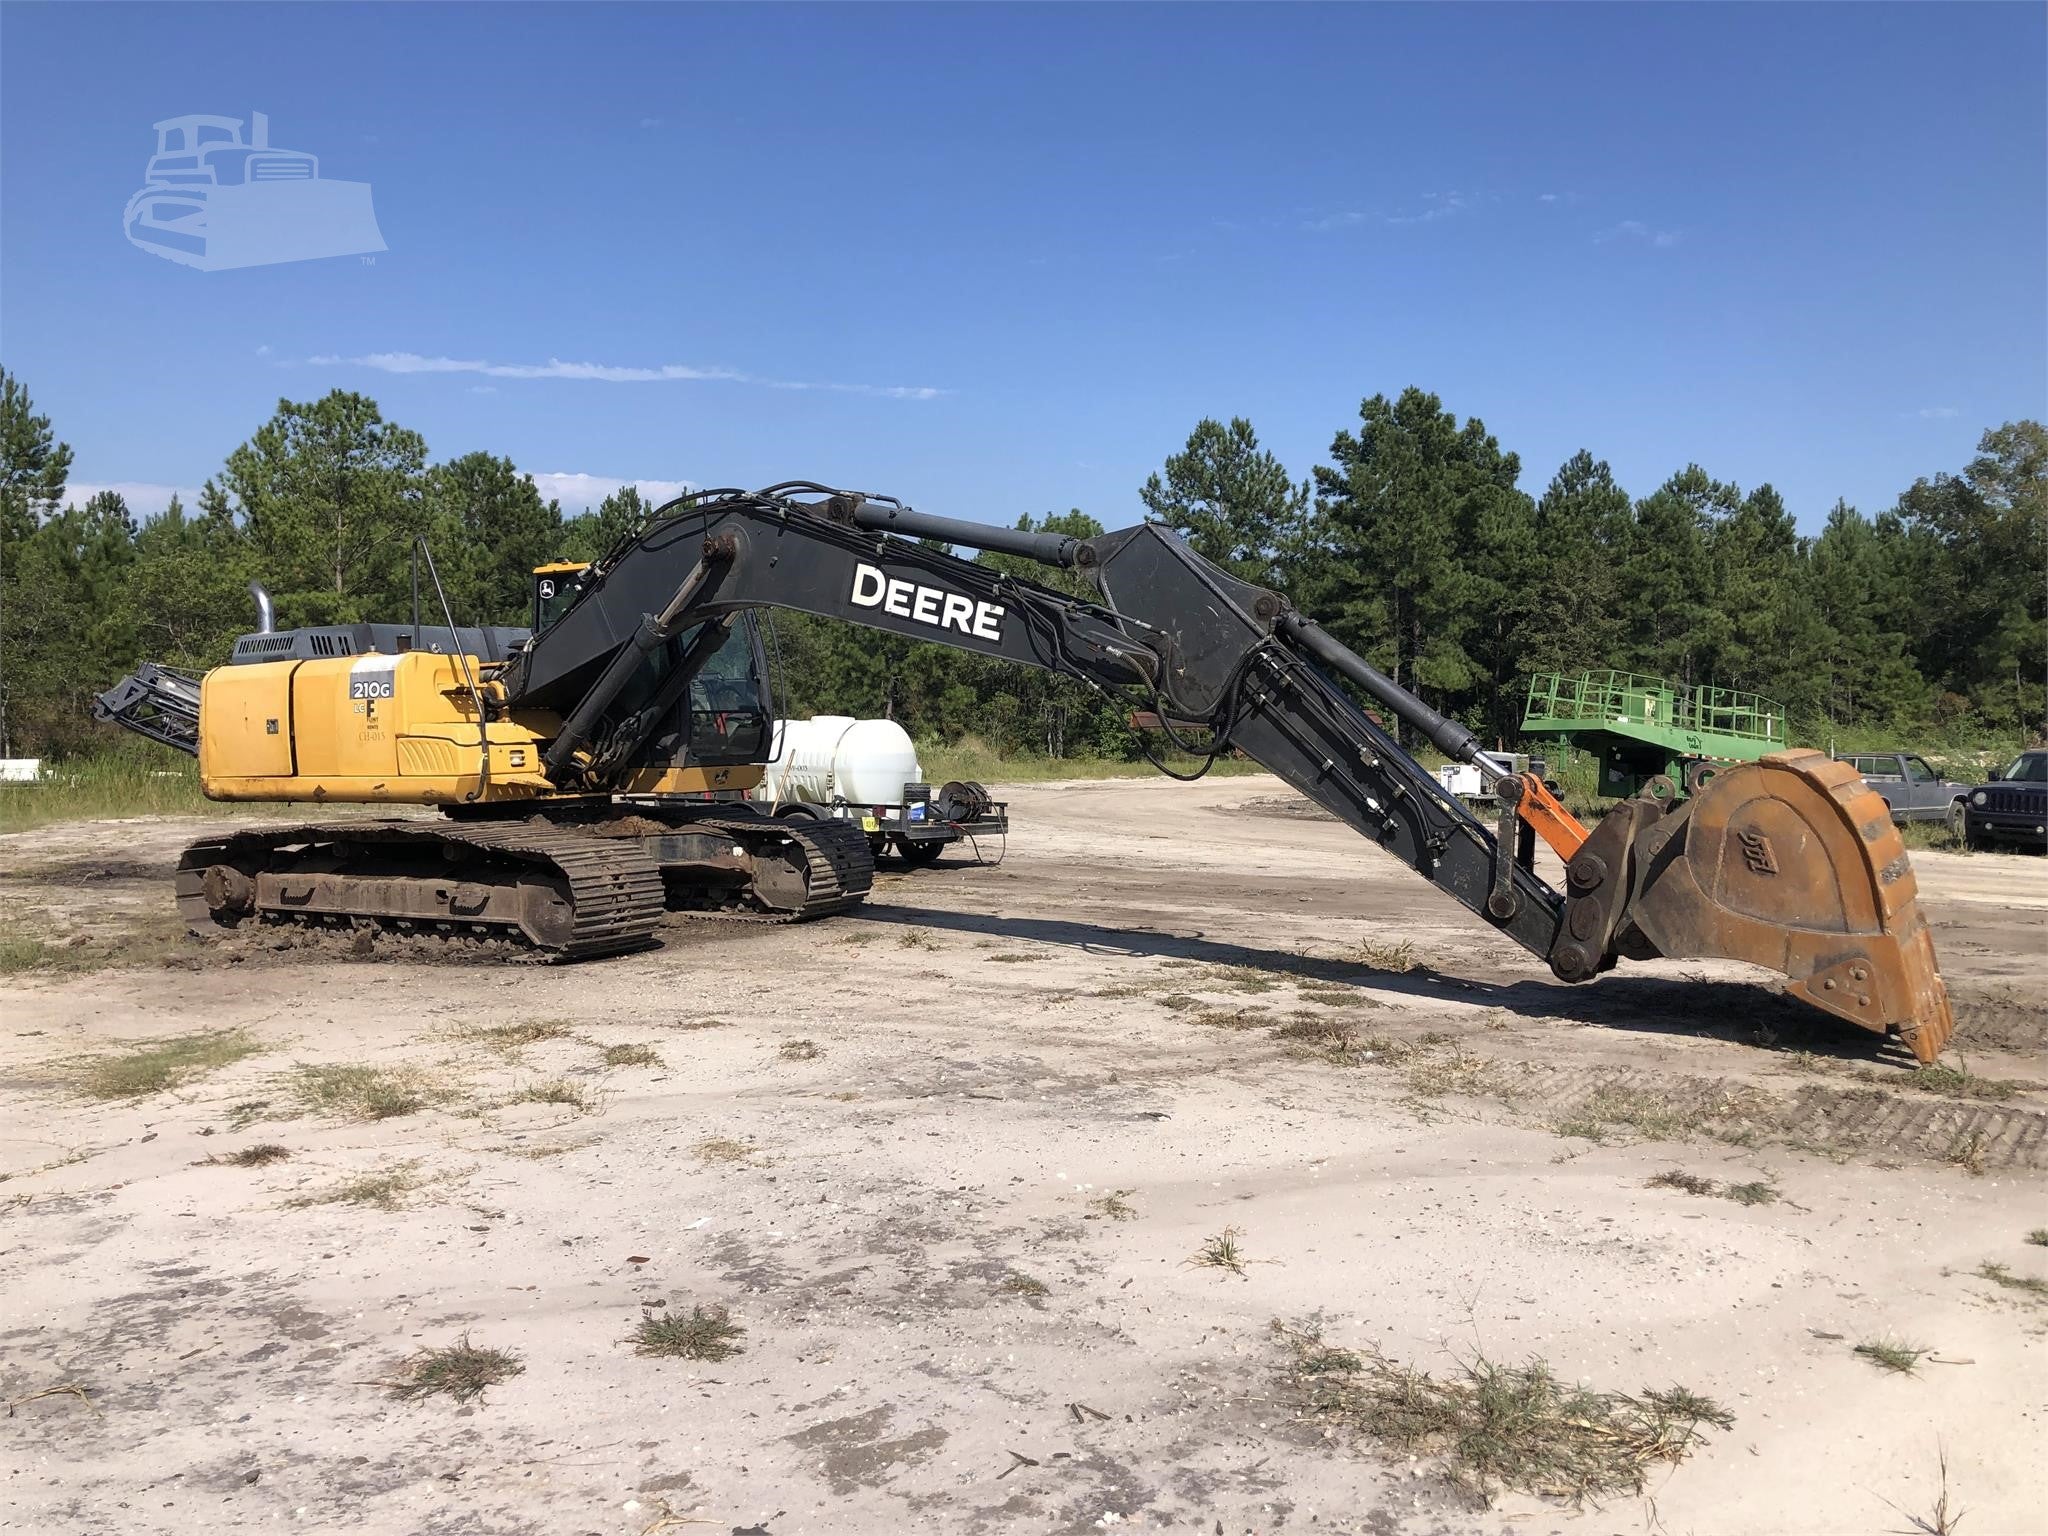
2013, 807
1914, 791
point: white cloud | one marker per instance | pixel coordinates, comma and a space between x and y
579, 492
650, 122
1938, 412
1349, 219
1436, 205
144, 499
1636, 229
608, 373
1546, 197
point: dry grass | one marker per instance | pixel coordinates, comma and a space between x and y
799, 1050
1223, 1251
357, 1091
1501, 1426
461, 1370
1461, 1072
1318, 1037
916, 938
2038, 1237
702, 1333
1398, 958
722, 1149
510, 1040
631, 1056
1892, 1355
1678, 1178
1014, 959
2026, 1285
1967, 1153
262, 1155
383, 1189
31, 947
1234, 1018
562, 1091
1950, 1082
1940, 1520
1636, 1112
1028, 1286
156, 1066
1754, 1192
1114, 1205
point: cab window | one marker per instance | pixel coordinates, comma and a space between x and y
2028, 768
1917, 772
728, 716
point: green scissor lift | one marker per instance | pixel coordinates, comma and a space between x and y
1644, 729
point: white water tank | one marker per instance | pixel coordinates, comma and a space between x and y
837, 758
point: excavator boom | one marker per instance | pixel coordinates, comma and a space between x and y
1790, 863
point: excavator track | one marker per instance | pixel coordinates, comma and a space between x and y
567, 894
838, 871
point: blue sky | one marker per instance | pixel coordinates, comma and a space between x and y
1024, 250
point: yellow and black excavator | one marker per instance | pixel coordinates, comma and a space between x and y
590, 769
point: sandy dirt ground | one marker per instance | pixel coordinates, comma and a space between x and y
945, 1328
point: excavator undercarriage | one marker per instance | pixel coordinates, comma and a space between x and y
589, 769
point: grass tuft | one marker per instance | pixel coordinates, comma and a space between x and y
1967, 1153
1114, 1205
159, 1065
799, 1050
722, 1149
2026, 1285
1399, 958
1678, 1178
1892, 1355
508, 1040
563, 1091
384, 1189
462, 1370
1024, 1285
2038, 1237
1501, 1426
1634, 1111
703, 1333
631, 1056
259, 1156
915, 938
360, 1092
1755, 1192
1223, 1251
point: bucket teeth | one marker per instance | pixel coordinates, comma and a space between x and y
1792, 862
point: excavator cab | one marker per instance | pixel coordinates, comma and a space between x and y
555, 587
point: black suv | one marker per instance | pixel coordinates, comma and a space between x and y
2013, 807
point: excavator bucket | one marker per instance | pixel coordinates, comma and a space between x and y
1792, 862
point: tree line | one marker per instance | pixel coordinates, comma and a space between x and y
1414, 544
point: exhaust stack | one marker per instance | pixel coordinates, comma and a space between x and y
266, 613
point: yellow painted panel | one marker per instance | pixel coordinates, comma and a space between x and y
245, 724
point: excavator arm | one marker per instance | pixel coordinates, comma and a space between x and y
1790, 863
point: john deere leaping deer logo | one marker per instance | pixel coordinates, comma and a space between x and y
1756, 853
214, 198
